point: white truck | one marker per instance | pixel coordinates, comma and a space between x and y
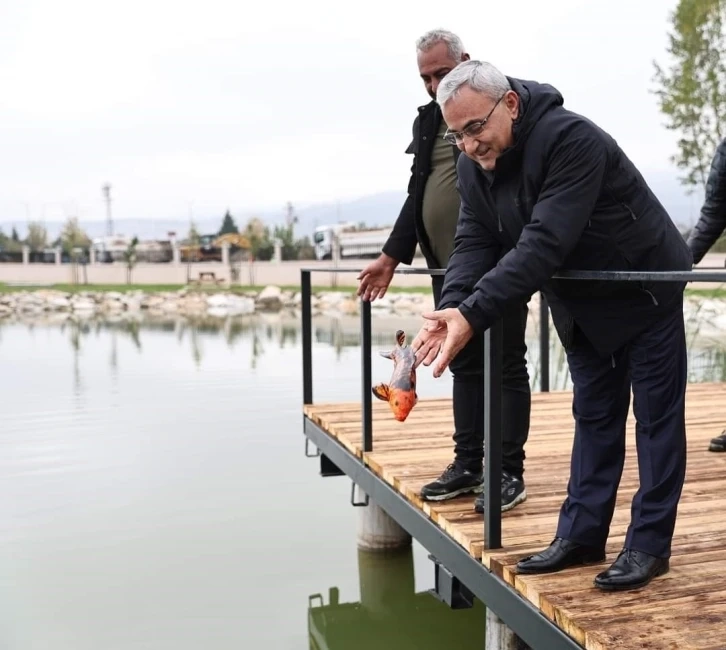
355, 242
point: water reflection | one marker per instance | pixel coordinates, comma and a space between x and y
390, 614
156, 495
261, 331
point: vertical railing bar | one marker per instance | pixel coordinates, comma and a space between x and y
307, 336
493, 436
366, 366
544, 343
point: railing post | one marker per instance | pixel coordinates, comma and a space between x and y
493, 436
307, 336
544, 343
367, 401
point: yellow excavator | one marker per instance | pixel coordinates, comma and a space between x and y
209, 248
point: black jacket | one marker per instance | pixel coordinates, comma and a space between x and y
408, 229
564, 196
712, 222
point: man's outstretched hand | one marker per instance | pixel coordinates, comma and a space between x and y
445, 334
375, 278
428, 342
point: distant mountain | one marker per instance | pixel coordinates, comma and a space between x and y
376, 209
380, 209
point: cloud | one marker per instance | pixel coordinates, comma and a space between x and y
173, 102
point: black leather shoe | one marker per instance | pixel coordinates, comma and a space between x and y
631, 570
562, 553
718, 443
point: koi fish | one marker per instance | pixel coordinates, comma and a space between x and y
401, 392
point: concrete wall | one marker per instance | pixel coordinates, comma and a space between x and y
260, 273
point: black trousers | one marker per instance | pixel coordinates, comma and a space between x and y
654, 366
467, 369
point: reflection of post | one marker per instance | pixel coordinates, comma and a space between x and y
377, 531
499, 636
335, 255
386, 580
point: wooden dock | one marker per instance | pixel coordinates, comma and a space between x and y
684, 610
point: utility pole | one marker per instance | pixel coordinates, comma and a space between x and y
109, 220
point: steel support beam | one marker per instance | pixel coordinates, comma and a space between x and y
521, 616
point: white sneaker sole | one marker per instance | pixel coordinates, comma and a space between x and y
477, 489
519, 499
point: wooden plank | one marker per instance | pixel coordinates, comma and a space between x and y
683, 609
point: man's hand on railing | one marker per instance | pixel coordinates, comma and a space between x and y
375, 278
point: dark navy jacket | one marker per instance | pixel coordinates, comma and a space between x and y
712, 222
564, 196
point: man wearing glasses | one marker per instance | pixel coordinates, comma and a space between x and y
428, 218
556, 192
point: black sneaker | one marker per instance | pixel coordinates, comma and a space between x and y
513, 493
719, 443
454, 481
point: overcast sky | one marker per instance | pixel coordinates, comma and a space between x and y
202, 105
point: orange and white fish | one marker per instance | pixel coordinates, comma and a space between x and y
401, 392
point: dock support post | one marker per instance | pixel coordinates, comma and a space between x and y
386, 580
499, 636
377, 531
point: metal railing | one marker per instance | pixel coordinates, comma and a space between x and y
492, 364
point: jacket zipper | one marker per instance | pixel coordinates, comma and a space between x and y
652, 297
621, 203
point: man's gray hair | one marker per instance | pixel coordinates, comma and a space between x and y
480, 76
436, 36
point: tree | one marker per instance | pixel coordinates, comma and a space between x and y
290, 217
259, 237
37, 238
14, 235
692, 92
130, 257
193, 235
8, 243
305, 249
286, 234
72, 236
228, 225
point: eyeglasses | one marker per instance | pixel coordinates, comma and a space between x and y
473, 130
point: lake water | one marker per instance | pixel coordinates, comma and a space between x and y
156, 495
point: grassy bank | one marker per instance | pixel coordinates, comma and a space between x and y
158, 288
717, 293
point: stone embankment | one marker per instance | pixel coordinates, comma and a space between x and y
188, 302
706, 314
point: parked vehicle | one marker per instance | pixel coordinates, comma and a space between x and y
355, 242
